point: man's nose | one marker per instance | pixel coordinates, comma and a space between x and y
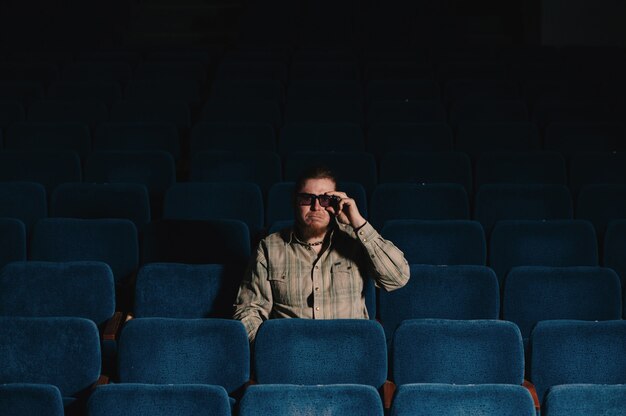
315, 205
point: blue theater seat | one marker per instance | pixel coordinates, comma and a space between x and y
248, 89
584, 399
31, 399
512, 136
137, 136
613, 248
163, 110
601, 204
403, 111
106, 92
520, 168
25, 201
592, 168
235, 136
243, 111
90, 112
324, 111
320, 137
12, 240
487, 111
49, 136
11, 111
414, 137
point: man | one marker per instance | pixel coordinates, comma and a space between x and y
316, 269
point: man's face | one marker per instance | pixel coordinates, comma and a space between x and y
314, 217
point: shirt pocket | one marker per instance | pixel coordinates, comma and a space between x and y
280, 286
345, 278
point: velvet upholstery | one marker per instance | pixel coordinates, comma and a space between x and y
170, 111
20, 399
497, 202
64, 352
555, 243
442, 242
25, 201
588, 168
457, 352
92, 201
536, 293
263, 168
196, 242
174, 290
40, 289
12, 240
411, 137
349, 166
514, 136
206, 135
520, 167
73, 136
454, 400
241, 201
569, 138
585, 399
319, 137
158, 400
395, 201
112, 241
280, 203
308, 351
601, 204
570, 352
427, 167
184, 351
292, 400
137, 136
615, 247
49, 168
452, 292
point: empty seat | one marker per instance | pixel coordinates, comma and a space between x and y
116, 71
614, 246
592, 168
460, 89
403, 111
12, 240
90, 112
196, 242
601, 204
415, 137
321, 137
403, 89
437, 201
63, 352
158, 400
25, 201
11, 111
451, 400
427, 167
440, 242
263, 168
550, 110
324, 111
571, 352
338, 351
49, 168
206, 135
112, 241
555, 243
252, 89
285, 400
169, 111
204, 351
176, 290
569, 138
535, 293
513, 136
520, 168
250, 69
112, 200
452, 292
218, 200
487, 111
495, 202
137, 136
186, 90
324, 90
472, 69
395, 68
457, 352
321, 70
104, 91
31, 399
23, 92
354, 167
42, 72
243, 111
584, 399
188, 69
49, 136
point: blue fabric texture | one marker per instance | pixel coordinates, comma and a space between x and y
184, 351
440, 201
12, 240
137, 136
555, 243
453, 292
615, 247
412, 137
49, 168
521, 168
90, 112
21, 399
25, 201
535, 293
64, 352
457, 352
320, 137
226, 136
91, 201
158, 400
112, 241
478, 138
570, 352
292, 400
442, 242
497, 202
600, 204
50, 136
584, 400
305, 351
454, 400
169, 111
174, 290
47, 289
588, 168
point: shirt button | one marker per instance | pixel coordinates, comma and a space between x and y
317, 289
365, 240
360, 232
317, 308
317, 267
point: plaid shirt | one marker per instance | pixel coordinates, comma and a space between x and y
286, 279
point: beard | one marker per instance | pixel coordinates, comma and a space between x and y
313, 227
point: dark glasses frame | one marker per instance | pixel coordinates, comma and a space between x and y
325, 201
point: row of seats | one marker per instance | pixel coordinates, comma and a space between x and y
314, 353
474, 139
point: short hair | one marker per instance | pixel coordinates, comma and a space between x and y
314, 172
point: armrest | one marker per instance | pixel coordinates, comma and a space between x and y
533, 392
112, 328
102, 380
389, 389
